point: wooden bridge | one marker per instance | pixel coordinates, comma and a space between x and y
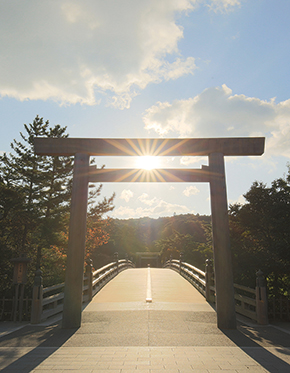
178, 283
149, 319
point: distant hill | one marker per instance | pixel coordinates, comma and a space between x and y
189, 233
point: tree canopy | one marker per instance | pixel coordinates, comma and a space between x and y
35, 194
169, 236
260, 234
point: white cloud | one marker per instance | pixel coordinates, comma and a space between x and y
166, 208
154, 207
216, 112
223, 5
74, 51
191, 190
126, 194
241, 200
81, 51
144, 198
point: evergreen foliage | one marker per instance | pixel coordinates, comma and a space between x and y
42, 187
261, 237
35, 194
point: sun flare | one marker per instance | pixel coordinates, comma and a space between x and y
148, 162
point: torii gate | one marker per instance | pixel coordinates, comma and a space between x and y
214, 173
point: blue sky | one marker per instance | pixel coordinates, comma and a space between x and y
152, 68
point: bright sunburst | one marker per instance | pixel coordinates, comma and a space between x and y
148, 162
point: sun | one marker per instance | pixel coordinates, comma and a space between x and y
148, 162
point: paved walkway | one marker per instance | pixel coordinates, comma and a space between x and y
123, 333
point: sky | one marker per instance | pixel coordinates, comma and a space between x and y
152, 68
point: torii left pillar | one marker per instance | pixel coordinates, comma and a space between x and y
225, 299
73, 292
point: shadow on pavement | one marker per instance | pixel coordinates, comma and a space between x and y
254, 341
40, 342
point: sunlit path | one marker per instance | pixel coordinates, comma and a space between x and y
128, 292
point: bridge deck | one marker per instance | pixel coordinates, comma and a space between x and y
122, 333
129, 291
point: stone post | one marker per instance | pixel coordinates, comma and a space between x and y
116, 259
208, 280
261, 299
73, 291
225, 304
89, 275
37, 297
180, 262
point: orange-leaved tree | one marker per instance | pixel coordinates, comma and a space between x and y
98, 228
98, 224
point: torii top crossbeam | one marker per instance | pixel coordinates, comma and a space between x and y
155, 147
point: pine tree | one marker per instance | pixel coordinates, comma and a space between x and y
35, 193
44, 183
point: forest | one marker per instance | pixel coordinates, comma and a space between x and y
34, 217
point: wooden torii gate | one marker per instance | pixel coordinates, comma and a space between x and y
214, 173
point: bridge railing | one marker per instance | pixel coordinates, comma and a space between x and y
249, 302
193, 274
48, 302
94, 281
52, 301
245, 301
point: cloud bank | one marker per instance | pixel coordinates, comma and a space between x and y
153, 207
217, 112
162, 208
81, 51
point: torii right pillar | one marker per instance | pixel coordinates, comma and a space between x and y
225, 303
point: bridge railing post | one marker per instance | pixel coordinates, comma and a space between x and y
261, 299
37, 297
116, 254
180, 262
208, 280
89, 275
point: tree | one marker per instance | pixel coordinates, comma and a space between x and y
11, 207
172, 246
42, 185
188, 233
260, 233
35, 196
98, 226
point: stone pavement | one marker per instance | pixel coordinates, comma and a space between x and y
122, 333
